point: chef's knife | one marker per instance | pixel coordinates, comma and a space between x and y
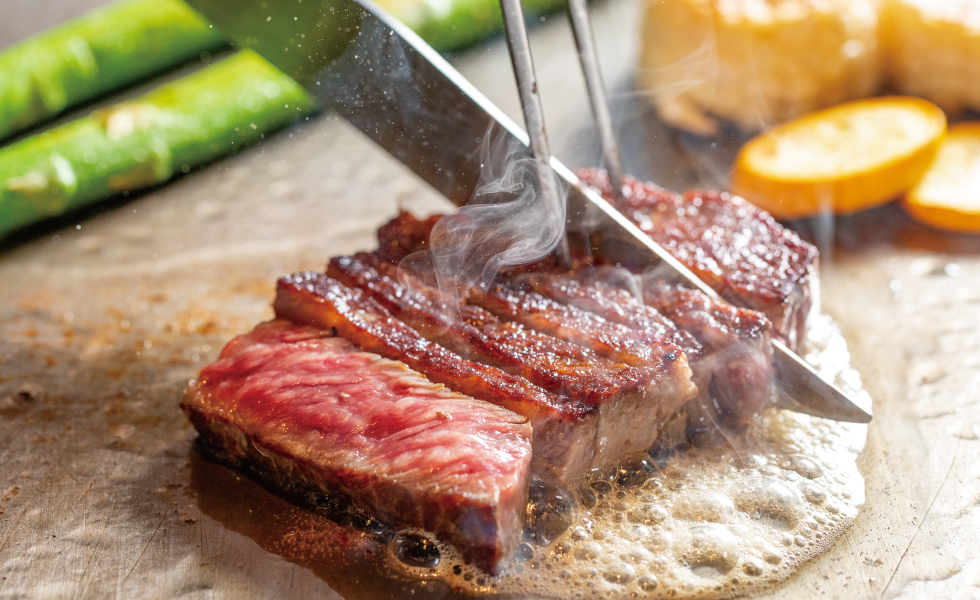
376, 73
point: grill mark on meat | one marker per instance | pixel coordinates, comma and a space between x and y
554, 364
564, 430
733, 246
325, 417
570, 323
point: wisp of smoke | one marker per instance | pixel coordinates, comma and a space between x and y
507, 222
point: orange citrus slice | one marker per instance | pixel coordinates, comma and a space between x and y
948, 196
842, 159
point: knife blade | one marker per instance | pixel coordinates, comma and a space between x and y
381, 77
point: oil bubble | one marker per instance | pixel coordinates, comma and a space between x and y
634, 473
771, 502
813, 493
587, 498
524, 553
638, 555
703, 506
620, 573
648, 514
659, 541
803, 465
550, 511
773, 556
709, 550
753, 566
638, 532
588, 551
601, 487
415, 550
648, 583
659, 563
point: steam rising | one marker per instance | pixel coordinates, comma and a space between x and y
508, 222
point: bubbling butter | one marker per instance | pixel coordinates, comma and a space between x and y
729, 517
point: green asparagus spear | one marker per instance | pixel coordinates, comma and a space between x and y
143, 142
453, 24
130, 40
103, 50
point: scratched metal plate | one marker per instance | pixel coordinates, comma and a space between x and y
103, 321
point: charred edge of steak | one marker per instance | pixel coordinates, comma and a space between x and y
562, 367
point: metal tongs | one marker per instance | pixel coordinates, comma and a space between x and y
795, 378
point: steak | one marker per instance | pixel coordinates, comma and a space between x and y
321, 416
728, 347
633, 401
735, 247
564, 430
738, 350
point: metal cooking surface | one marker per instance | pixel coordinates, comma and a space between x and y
101, 326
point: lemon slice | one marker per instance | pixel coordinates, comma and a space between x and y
948, 196
842, 159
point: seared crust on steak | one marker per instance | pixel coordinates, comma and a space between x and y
735, 247
564, 431
318, 414
562, 367
615, 305
568, 322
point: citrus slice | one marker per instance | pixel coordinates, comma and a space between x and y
842, 159
948, 196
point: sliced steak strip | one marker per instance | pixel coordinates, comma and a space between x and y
633, 402
620, 306
326, 417
728, 347
614, 305
732, 245
567, 322
564, 431
736, 340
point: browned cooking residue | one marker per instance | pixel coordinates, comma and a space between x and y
342, 556
263, 288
